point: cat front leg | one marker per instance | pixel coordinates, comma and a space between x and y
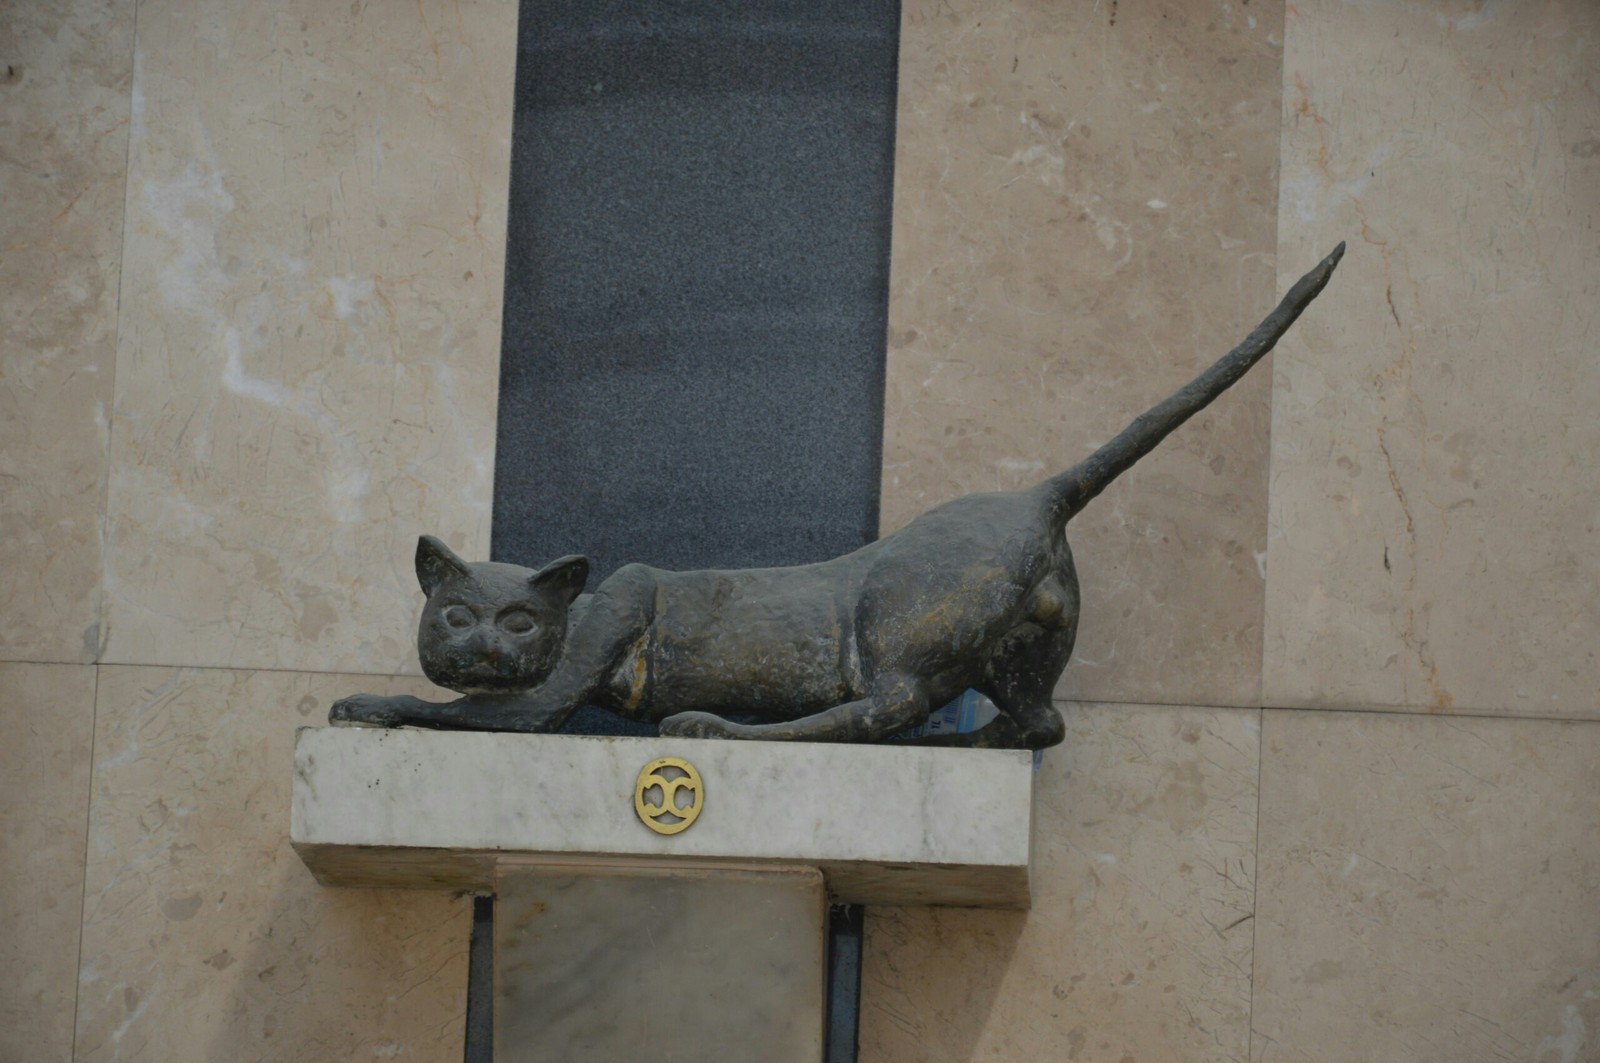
376, 710
474, 712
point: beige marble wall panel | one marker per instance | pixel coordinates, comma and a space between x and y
1085, 200
308, 351
1428, 889
1434, 530
1138, 944
66, 79
47, 718
204, 937
592, 966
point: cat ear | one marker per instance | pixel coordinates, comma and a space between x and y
435, 564
563, 577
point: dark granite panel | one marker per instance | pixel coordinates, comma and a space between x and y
697, 274
697, 279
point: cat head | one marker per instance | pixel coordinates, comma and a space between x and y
492, 627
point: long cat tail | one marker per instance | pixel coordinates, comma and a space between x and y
1070, 491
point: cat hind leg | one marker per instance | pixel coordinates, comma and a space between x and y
895, 705
1020, 679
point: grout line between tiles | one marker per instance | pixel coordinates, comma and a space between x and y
83, 887
1454, 714
233, 668
102, 632
1361, 710
1420, 713
1255, 887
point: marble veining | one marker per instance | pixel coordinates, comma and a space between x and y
592, 967
1433, 540
309, 330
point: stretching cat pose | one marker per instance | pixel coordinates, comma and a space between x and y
977, 593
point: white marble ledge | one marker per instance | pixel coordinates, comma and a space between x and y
885, 824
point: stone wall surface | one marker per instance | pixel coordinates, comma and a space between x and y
309, 326
1459, 928
64, 106
203, 934
1435, 454
251, 328
48, 716
250, 339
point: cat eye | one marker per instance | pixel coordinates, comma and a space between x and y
518, 622
459, 616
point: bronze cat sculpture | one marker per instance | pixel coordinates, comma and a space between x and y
977, 593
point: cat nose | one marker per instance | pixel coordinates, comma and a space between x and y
491, 650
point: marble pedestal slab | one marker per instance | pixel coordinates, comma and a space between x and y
599, 965
898, 825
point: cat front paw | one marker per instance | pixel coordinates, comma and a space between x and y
366, 710
699, 725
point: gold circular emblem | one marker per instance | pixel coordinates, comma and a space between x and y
671, 776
